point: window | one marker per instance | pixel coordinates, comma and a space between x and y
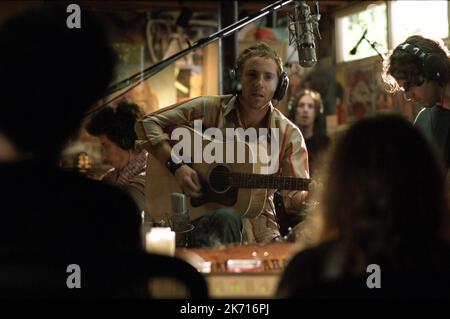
351, 27
426, 18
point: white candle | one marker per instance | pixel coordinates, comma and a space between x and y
160, 240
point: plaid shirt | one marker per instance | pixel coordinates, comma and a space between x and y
222, 112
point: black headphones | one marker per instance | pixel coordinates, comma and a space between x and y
126, 142
280, 91
433, 64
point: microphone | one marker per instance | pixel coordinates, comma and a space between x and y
301, 29
353, 51
180, 216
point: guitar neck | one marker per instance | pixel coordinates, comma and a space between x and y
249, 180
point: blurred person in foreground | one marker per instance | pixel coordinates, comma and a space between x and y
62, 235
379, 208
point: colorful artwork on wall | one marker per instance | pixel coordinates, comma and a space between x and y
364, 90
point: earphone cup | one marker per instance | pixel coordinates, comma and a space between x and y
233, 74
435, 68
235, 83
123, 143
283, 83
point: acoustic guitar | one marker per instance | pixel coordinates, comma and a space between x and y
231, 183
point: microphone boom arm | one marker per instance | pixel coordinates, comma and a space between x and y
353, 51
139, 77
372, 45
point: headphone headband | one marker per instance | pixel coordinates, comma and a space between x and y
434, 66
413, 50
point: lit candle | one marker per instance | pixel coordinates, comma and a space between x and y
160, 240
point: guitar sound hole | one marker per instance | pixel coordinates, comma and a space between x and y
219, 179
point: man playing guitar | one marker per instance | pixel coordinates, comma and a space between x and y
259, 70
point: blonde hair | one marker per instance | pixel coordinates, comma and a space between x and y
260, 49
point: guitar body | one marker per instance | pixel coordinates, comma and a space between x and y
216, 188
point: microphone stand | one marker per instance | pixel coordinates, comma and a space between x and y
139, 77
372, 45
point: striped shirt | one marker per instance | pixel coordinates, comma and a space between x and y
222, 112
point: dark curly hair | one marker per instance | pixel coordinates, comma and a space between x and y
117, 123
402, 65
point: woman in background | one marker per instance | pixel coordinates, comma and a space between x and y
305, 112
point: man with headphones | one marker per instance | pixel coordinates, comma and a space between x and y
114, 127
420, 67
259, 79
